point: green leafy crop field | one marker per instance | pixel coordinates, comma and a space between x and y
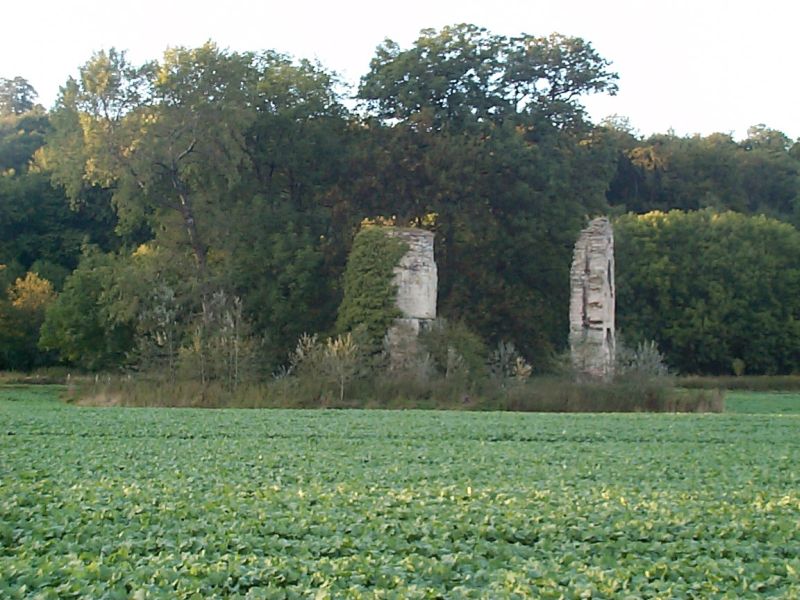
185, 503
762, 402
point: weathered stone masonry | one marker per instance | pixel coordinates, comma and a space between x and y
592, 302
416, 279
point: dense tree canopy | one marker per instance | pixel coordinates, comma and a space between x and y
464, 74
17, 96
758, 175
167, 201
711, 288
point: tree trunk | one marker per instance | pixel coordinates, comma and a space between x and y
198, 248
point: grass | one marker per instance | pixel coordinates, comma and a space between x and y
181, 503
753, 383
537, 394
31, 394
783, 403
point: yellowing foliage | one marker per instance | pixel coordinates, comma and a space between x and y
30, 293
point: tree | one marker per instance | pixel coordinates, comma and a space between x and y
463, 74
711, 288
21, 315
167, 136
41, 233
771, 176
546, 76
20, 137
446, 77
761, 136
294, 142
16, 96
82, 324
276, 261
275, 246
39, 230
664, 172
226, 156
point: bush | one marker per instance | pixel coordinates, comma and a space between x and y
645, 361
315, 366
455, 350
506, 364
711, 288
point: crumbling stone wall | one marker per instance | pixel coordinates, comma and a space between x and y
592, 302
416, 279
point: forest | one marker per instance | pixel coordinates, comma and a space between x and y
198, 210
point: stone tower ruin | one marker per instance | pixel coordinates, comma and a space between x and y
416, 279
591, 307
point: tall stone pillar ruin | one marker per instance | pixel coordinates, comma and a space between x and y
416, 279
591, 307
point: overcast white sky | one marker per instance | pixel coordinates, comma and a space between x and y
696, 66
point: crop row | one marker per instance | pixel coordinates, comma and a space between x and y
141, 503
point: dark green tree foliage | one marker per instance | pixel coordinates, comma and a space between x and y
20, 137
505, 258
664, 172
280, 253
270, 241
17, 96
455, 350
463, 74
277, 265
711, 288
82, 324
39, 230
369, 295
295, 142
488, 133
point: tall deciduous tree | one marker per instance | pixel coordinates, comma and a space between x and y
17, 96
168, 136
463, 73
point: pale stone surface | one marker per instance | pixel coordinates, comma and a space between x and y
591, 308
416, 279
401, 343
415, 276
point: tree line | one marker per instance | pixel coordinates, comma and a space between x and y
170, 214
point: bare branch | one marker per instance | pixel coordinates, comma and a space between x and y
186, 152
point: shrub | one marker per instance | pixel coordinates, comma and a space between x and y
711, 288
315, 365
369, 294
506, 364
455, 350
645, 361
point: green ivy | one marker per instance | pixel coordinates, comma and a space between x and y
369, 295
